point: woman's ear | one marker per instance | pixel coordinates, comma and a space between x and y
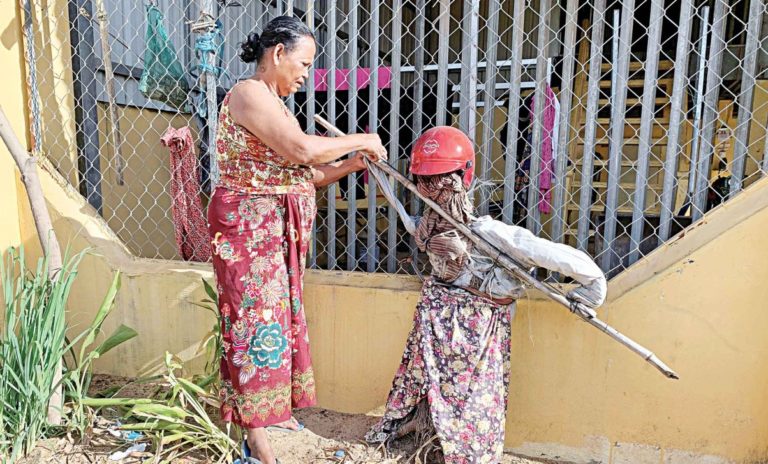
277, 54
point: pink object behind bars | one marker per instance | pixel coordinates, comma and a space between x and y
188, 218
342, 78
547, 155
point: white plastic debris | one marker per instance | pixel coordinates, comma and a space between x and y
118, 455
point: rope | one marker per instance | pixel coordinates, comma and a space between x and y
206, 43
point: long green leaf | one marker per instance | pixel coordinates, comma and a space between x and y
121, 335
157, 409
210, 291
153, 426
104, 309
104, 402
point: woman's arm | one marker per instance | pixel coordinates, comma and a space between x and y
254, 107
326, 174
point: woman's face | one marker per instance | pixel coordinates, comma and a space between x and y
293, 66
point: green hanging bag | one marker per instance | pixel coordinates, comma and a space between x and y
163, 78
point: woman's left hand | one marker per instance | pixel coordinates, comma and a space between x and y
358, 161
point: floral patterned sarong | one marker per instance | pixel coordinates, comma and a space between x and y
260, 244
457, 359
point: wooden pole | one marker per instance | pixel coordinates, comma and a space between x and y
28, 167
109, 86
517, 270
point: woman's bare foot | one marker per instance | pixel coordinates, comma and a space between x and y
290, 424
258, 442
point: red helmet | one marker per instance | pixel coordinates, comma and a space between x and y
441, 150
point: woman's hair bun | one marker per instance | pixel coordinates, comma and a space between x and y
251, 49
286, 30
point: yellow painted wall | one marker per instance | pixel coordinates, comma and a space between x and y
140, 209
53, 68
12, 101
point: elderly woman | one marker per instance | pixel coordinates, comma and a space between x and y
260, 219
453, 379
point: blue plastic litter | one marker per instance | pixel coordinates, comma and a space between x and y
132, 436
339, 454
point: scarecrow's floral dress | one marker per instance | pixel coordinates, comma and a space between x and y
456, 362
260, 219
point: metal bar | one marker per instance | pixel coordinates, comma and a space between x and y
679, 86
260, 15
484, 171
501, 86
533, 221
749, 65
331, 111
698, 100
310, 87
646, 127
418, 97
480, 65
291, 103
394, 127
86, 107
487, 248
352, 52
373, 126
563, 136
618, 111
468, 96
614, 49
513, 109
764, 167
593, 96
711, 109
310, 109
34, 100
444, 23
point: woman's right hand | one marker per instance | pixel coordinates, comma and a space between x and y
372, 148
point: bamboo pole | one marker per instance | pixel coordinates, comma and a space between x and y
28, 168
517, 270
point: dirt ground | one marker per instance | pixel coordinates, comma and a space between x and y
326, 433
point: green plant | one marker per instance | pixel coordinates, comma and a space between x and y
211, 344
32, 346
177, 421
77, 379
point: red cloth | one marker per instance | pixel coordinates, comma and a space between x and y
547, 155
188, 217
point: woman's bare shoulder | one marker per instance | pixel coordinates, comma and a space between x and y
248, 92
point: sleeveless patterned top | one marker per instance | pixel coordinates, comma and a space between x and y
248, 165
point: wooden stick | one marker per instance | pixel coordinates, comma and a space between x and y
28, 167
517, 270
109, 85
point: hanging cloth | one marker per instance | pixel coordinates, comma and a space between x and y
188, 218
548, 136
163, 78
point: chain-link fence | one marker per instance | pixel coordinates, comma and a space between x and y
608, 124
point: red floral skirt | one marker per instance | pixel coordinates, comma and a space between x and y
260, 244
